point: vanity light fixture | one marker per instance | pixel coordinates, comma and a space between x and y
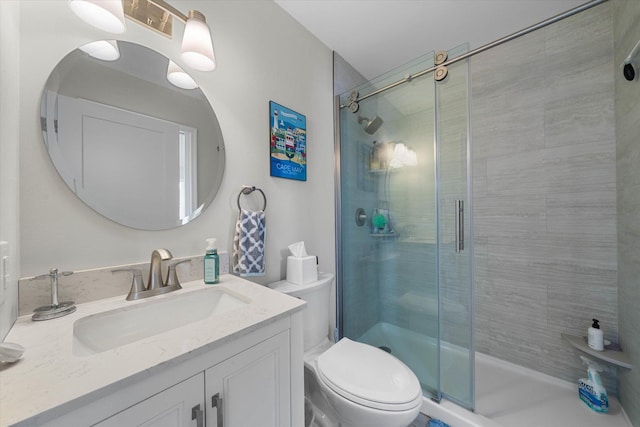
106, 50
108, 15
179, 78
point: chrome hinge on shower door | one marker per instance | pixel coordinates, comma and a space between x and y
459, 219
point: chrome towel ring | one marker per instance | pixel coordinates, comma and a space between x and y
246, 190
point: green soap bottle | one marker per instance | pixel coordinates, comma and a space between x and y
211, 263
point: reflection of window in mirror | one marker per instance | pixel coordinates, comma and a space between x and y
188, 174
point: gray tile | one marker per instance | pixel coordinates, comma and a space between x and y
514, 216
587, 117
582, 214
520, 174
544, 211
571, 309
573, 168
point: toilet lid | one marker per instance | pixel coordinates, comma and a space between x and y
369, 376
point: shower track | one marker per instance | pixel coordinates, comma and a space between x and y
480, 49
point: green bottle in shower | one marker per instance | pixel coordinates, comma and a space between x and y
211, 263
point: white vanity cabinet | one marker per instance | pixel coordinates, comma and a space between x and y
251, 388
178, 406
250, 357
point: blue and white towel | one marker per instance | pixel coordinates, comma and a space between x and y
248, 244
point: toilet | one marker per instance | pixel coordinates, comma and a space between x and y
351, 383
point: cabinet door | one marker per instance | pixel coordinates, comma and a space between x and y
173, 407
252, 388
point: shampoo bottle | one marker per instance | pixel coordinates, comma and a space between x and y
595, 336
591, 390
211, 263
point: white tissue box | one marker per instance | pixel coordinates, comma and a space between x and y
302, 270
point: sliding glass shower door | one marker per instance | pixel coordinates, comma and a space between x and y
403, 169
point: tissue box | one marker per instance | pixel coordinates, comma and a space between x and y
302, 270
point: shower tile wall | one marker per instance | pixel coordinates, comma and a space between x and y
627, 34
543, 142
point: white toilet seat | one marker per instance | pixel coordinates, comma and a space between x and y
369, 377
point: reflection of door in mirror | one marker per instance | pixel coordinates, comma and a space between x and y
132, 165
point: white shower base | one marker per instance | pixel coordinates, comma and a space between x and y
507, 395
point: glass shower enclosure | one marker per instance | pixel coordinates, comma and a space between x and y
403, 237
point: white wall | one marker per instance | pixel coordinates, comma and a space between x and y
9, 141
262, 55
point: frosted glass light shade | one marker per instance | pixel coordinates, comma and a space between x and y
179, 78
107, 15
197, 47
106, 50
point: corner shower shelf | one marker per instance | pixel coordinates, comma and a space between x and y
616, 357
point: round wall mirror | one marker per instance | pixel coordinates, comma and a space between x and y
132, 135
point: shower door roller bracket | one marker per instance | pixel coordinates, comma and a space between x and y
353, 104
440, 57
361, 217
440, 73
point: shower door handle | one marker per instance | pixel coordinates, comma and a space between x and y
459, 220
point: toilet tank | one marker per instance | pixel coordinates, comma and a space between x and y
316, 314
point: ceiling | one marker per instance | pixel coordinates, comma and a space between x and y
375, 36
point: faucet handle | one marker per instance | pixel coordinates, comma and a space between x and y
53, 273
172, 276
137, 284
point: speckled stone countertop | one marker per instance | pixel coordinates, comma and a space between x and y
49, 375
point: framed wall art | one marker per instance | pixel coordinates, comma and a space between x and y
288, 143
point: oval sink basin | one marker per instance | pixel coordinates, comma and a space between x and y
114, 328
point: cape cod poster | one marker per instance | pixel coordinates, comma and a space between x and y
288, 143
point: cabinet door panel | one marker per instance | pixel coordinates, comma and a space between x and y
254, 386
169, 408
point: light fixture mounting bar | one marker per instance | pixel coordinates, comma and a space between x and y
153, 14
168, 8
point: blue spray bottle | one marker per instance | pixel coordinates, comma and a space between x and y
591, 390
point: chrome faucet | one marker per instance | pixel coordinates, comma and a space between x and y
155, 272
155, 285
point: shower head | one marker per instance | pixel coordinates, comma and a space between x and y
372, 124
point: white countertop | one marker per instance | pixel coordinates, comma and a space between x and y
50, 375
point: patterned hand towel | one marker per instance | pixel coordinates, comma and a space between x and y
248, 244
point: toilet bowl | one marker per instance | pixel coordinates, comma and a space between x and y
354, 384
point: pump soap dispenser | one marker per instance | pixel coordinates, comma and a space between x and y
595, 336
211, 263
